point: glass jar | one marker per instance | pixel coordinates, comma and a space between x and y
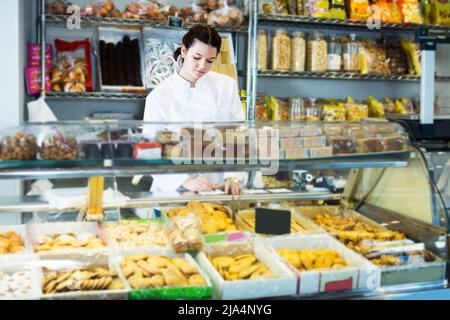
311, 112
298, 48
262, 50
296, 106
350, 56
316, 53
334, 56
281, 51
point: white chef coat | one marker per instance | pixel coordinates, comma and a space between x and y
213, 99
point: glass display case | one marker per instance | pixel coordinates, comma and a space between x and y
361, 216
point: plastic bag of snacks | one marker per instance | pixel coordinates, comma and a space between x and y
394, 55
356, 111
411, 11
412, 53
73, 69
440, 12
193, 13
101, 8
57, 7
34, 54
376, 108
225, 16
338, 9
59, 146
33, 80
317, 8
279, 109
185, 234
262, 109
143, 10
21, 146
373, 58
211, 5
359, 9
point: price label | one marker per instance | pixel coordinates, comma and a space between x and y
271, 221
175, 22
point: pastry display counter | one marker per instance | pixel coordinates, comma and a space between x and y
380, 236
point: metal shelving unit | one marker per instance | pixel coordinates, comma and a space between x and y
61, 20
96, 95
354, 25
343, 76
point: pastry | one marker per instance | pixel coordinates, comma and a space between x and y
240, 267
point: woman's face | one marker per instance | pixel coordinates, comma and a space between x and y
198, 59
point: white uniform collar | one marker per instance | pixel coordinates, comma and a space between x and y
186, 84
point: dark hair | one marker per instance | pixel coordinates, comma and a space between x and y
205, 34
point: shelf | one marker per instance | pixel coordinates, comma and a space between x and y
415, 116
39, 169
61, 20
96, 95
148, 199
354, 25
343, 76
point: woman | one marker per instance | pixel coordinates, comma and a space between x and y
195, 94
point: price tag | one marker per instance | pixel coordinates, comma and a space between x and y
175, 22
271, 221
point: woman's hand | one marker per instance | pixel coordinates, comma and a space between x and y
231, 186
198, 184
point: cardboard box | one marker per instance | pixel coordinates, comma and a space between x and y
314, 142
291, 143
359, 275
284, 284
294, 153
322, 152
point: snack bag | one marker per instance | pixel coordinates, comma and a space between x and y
193, 13
225, 16
33, 80
101, 8
75, 62
317, 8
34, 54
440, 12
338, 9
143, 10
411, 11
359, 9
185, 233
58, 7
412, 53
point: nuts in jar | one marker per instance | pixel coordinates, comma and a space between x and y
316, 53
59, 147
298, 51
281, 51
262, 50
21, 146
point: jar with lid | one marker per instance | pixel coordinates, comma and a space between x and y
334, 56
298, 51
262, 50
350, 56
316, 60
296, 106
311, 112
281, 51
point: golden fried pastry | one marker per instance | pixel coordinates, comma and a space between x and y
240, 267
312, 259
81, 280
159, 271
214, 218
68, 241
10, 242
129, 234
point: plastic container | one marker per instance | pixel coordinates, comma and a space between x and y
296, 106
334, 56
59, 146
281, 51
298, 51
20, 146
316, 53
350, 55
311, 112
370, 144
262, 50
342, 144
